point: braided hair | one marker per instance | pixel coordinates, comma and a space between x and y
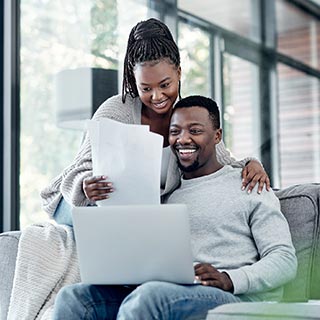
149, 40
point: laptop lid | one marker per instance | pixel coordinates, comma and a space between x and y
133, 244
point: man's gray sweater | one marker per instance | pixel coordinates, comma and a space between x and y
245, 235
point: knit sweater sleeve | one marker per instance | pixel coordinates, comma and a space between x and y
277, 264
225, 158
69, 183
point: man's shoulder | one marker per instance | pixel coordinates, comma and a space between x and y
235, 182
232, 174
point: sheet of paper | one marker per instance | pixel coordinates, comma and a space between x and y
130, 155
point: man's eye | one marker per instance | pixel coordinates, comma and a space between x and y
173, 132
195, 131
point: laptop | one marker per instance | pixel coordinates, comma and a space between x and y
133, 244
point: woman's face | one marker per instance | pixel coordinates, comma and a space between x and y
158, 84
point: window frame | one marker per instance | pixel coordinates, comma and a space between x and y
11, 116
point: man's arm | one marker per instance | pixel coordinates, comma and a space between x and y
278, 263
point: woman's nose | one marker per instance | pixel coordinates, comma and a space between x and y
156, 94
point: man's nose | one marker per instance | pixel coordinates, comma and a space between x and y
184, 137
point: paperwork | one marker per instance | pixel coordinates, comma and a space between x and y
130, 156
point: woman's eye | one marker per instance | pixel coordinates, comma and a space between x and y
145, 89
165, 85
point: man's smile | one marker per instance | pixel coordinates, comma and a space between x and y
186, 153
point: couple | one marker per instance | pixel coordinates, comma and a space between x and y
242, 242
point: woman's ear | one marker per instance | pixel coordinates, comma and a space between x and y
179, 72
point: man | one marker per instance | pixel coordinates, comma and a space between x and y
241, 243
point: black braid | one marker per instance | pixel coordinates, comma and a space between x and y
149, 40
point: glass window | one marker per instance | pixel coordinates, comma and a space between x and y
194, 45
237, 16
241, 105
59, 36
298, 34
299, 126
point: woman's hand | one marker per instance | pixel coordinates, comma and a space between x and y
97, 188
210, 276
252, 174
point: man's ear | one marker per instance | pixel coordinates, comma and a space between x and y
218, 135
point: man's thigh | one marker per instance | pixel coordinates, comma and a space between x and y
81, 301
163, 300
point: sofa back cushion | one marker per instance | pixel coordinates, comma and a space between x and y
8, 252
300, 205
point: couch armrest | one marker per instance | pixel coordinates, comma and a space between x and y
301, 204
8, 251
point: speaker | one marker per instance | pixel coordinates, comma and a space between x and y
79, 92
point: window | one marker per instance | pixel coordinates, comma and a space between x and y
241, 98
266, 68
194, 45
237, 16
299, 126
70, 35
57, 36
298, 34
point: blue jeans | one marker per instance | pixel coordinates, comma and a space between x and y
63, 214
151, 300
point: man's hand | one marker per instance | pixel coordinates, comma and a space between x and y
252, 174
210, 276
97, 188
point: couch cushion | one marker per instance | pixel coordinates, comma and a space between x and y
300, 205
8, 252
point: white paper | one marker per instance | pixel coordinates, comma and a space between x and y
130, 156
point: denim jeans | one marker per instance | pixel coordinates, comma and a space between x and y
63, 215
151, 300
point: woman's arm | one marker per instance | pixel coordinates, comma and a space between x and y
69, 184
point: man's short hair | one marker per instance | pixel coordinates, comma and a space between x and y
204, 102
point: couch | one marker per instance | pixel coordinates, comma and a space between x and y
300, 205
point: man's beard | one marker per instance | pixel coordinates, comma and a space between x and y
194, 166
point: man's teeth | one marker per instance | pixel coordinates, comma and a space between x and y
188, 151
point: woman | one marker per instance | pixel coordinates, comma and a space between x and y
151, 85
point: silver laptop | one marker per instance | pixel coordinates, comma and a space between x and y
133, 244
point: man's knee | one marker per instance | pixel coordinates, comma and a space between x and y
71, 293
68, 302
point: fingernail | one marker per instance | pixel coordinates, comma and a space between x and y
259, 191
109, 184
243, 187
111, 190
249, 191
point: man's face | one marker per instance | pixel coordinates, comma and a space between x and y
193, 139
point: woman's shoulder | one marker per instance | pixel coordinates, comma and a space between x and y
114, 108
